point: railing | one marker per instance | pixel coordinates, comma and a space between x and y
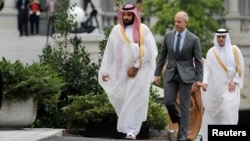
245, 24
109, 18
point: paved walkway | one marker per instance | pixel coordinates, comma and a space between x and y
25, 48
48, 134
28, 134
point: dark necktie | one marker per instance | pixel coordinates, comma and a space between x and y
177, 47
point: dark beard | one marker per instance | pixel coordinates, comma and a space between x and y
127, 22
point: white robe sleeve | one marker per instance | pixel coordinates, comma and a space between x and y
151, 52
240, 79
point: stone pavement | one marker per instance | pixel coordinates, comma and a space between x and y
95, 139
153, 137
28, 134
25, 48
49, 134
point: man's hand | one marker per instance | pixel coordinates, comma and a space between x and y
231, 86
197, 84
105, 77
204, 86
132, 71
157, 80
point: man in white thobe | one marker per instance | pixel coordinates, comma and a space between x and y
127, 70
222, 80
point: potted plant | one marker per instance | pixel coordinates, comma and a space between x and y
23, 86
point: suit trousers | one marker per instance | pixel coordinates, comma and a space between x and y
23, 22
34, 24
181, 116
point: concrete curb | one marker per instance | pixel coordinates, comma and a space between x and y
42, 134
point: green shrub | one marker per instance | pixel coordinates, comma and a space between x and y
94, 108
24, 81
88, 108
75, 67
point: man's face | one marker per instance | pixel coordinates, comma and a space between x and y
221, 40
128, 18
179, 23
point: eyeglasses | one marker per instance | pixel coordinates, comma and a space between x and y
221, 36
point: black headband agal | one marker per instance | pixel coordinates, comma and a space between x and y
222, 31
128, 8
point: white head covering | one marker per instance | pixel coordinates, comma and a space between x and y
225, 52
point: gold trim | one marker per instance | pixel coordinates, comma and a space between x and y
219, 60
236, 57
142, 48
237, 61
124, 35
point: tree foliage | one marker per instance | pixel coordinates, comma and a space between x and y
72, 61
201, 17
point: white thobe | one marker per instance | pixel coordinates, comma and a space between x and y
221, 106
128, 95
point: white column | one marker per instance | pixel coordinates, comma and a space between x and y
233, 18
233, 8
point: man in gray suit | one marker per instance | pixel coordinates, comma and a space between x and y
182, 51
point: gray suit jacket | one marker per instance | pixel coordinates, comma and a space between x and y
188, 63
